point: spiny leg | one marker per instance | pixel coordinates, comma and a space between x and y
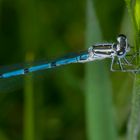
134, 56
126, 61
120, 64
112, 63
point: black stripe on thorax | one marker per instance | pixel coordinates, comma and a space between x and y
102, 46
104, 53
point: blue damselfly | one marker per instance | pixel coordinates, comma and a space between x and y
117, 51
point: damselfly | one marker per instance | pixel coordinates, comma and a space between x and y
117, 51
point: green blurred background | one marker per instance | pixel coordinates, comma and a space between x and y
54, 104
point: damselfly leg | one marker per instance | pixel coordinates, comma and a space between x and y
116, 65
125, 64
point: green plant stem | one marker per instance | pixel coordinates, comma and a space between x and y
29, 125
134, 120
133, 127
29, 31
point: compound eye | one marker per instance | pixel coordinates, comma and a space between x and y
120, 53
121, 37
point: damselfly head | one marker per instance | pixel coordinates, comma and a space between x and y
122, 46
126, 58
121, 37
122, 40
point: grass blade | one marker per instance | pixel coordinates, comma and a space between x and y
30, 37
99, 113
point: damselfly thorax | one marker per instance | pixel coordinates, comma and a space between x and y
118, 52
